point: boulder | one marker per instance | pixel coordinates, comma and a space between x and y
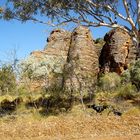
81, 70
117, 53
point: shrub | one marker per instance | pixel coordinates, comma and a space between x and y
127, 91
7, 79
135, 74
100, 41
109, 81
126, 77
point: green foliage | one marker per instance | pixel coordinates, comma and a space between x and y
126, 77
99, 40
109, 81
135, 74
56, 9
35, 68
127, 91
99, 43
26, 10
7, 79
23, 90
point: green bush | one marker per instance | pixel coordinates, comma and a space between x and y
109, 81
135, 74
99, 40
126, 77
7, 79
127, 91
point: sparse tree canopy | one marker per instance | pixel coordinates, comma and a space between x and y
123, 14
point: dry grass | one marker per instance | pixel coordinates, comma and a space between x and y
76, 125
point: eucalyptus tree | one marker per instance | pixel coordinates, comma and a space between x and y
124, 14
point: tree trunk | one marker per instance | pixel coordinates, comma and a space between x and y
138, 12
138, 21
138, 44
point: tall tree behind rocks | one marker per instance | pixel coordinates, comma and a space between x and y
118, 51
81, 70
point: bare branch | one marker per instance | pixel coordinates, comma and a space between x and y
42, 22
129, 19
126, 9
108, 7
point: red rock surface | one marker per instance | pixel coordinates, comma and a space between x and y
117, 53
82, 63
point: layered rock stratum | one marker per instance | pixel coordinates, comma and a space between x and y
82, 63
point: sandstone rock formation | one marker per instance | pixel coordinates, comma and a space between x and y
117, 53
71, 60
58, 43
82, 63
46, 67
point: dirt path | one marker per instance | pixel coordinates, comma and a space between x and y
132, 137
70, 127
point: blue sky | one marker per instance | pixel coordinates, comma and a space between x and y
23, 37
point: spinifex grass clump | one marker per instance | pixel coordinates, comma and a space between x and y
109, 82
127, 91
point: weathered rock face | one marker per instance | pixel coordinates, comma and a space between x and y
58, 43
70, 60
117, 53
46, 67
82, 62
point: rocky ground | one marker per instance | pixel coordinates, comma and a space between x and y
71, 126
